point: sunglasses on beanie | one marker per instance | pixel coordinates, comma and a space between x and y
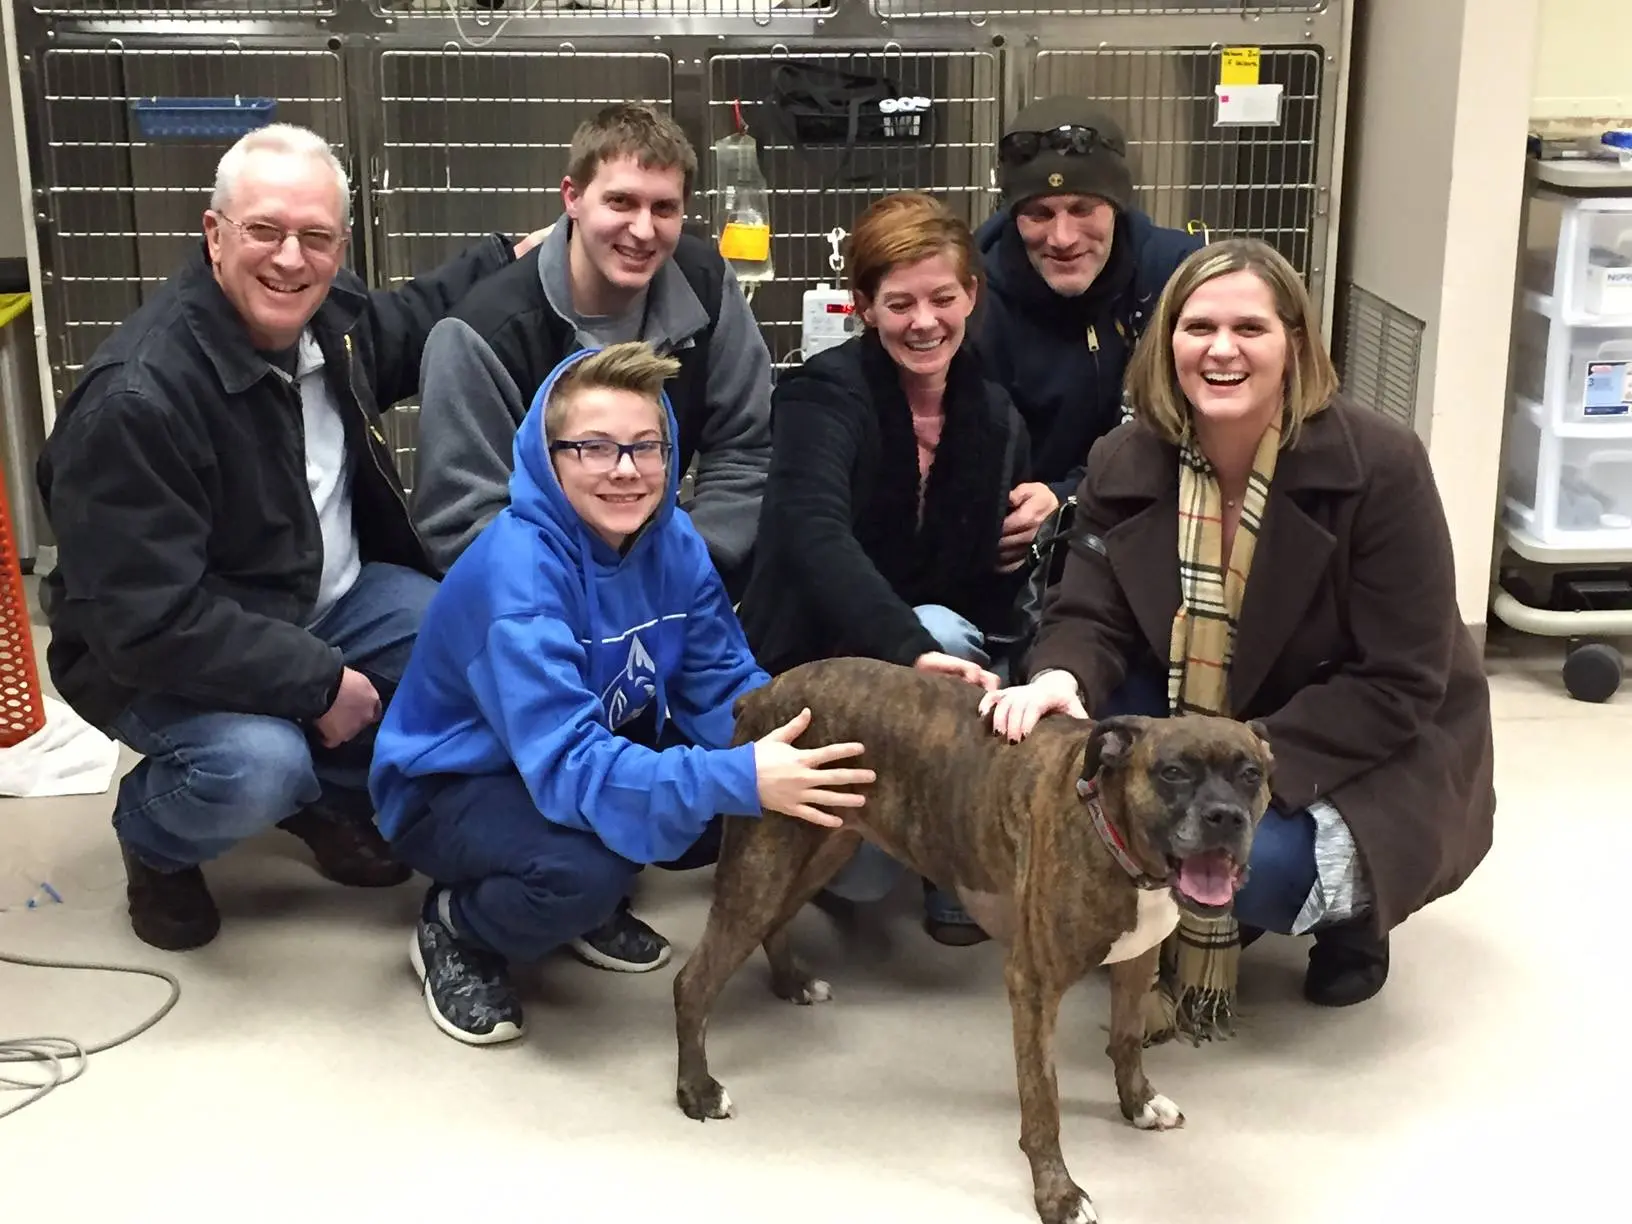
1018, 148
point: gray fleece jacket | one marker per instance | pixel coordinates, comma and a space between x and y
483, 364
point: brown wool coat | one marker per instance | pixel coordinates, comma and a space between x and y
1349, 648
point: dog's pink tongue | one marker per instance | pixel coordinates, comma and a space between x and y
1208, 878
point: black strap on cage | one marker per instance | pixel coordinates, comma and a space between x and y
826, 106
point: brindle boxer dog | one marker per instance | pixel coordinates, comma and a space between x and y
1074, 848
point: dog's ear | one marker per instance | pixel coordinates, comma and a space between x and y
1262, 732
1111, 742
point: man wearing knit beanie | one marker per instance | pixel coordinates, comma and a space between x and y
1073, 270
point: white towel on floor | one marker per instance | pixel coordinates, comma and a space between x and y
67, 756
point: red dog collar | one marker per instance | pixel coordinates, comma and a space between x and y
1089, 792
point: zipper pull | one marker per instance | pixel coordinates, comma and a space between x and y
1093, 339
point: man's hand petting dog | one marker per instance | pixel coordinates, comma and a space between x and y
794, 781
1015, 712
961, 669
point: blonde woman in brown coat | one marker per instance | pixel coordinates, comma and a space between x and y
1334, 623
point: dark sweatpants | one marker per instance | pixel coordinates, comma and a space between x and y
520, 884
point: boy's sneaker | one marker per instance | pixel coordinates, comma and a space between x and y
467, 990
623, 944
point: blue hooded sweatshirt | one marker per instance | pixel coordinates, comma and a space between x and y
543, 640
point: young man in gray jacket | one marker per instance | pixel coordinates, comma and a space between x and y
615, 268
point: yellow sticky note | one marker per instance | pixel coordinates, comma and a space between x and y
1240, 66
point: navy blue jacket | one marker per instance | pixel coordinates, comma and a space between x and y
1036, 344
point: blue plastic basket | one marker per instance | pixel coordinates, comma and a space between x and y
200, 118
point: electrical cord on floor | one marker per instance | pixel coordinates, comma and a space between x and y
53, 1052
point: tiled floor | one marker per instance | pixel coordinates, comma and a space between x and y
299, 1078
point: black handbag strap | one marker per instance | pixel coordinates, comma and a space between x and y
829, 89
819, 91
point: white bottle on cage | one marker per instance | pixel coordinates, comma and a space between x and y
742, 222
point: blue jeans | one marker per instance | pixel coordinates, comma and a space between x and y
212, 779
1281, 871
870, 875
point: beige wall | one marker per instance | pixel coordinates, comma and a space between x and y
1583, 63
1431, 224
1477, 289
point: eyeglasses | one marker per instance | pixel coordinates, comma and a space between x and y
602, 455
266, 234
1018, 148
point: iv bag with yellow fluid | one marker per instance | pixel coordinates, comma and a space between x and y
742, 208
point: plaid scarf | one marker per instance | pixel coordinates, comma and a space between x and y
1195, 984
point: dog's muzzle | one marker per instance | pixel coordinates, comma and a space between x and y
1210, 865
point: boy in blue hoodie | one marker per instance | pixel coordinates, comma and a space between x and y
586, 617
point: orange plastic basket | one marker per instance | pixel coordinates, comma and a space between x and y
22, 704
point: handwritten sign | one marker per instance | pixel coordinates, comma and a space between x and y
1240, 66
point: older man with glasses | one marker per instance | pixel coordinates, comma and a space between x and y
238, 583
1073, 271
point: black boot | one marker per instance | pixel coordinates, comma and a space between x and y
348, 847
1347, 965
170, 910
947, 922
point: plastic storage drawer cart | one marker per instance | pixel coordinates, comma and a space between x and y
1567, 480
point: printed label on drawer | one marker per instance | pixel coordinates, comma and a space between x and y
1609, 388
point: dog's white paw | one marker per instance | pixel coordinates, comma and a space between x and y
1084, 1213
703, 1101
1159, 1113
806, 992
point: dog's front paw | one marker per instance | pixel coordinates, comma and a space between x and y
1073, 1210
1158, 1114
706, 1100
803, 990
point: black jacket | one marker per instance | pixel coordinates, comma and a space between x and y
174, 480
1062, 359
841, 560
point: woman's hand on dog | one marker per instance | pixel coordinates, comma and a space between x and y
1015, 711
962, 669
794, 780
